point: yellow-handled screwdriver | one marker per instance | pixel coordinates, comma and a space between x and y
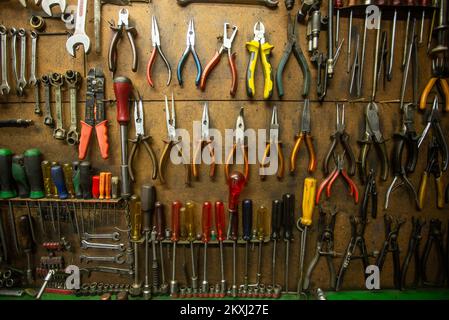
253, 46
303, 223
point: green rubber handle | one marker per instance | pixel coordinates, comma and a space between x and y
20, 177
7, 189
32, 163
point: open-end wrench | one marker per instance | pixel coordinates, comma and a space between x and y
22, 82
13, 34
33, 80
119, 259
73, 78
94, 245
267, 3
57, 81
4, 87
104, 269
79, 37
47, 5
48, 119
115, 236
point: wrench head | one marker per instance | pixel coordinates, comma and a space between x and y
48, 4
4, 89
75, 41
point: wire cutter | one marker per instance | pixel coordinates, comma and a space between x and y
274, 145
413, 251
156, 41
439, 73
204, 141
293, 46
254, 46
433, 121
371, 136
140, 138
131, 32
239, 141
392, 227
190, 48
171, 142
432, 167
226, 46
304, 135
435, 235
328, 182
340, 136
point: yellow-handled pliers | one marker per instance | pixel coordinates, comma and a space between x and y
254, 46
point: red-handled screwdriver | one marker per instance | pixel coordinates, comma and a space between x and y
175, 228
206, 224
219, 226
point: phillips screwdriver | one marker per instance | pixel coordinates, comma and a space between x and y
26, 243
261, 214
175, 228
276, 220
288, 200
136, 235
247, 224
219, 226
206, 224
303, 224
190, 230
148, 198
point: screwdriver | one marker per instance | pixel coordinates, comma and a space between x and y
276, 220
96, 187
206, 224
261, 213
247, 223
7, 189
32, 163
57, 176
175, 218
19, 175
102, 185
86, 179
337, 5
68, 174
288, 200
159, 230
189, 224
407, 31
303, 223
148, 196
26, 243
351, 3
76, 179
219, 226
122, 90
423, 3
395, 4
136, 235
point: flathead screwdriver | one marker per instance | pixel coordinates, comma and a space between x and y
247, 224
190, 229
148, 198
206, 224
276, 220
261, 214
219, 226
288, 200
175, 229
160, 227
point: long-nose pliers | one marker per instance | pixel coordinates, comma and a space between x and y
273, 147
156, 41
190, 48
239, 142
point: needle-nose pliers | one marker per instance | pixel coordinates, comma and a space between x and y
273, 147
239, 142
190, 48
156, 41
204, 140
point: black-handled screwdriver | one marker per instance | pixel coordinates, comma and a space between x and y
288, 200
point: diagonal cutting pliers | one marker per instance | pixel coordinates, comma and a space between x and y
239, 142
190, 48
156, 41
273, 147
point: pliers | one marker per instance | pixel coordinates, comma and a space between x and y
304, 135
432, 167
392, 227
273, 147
254, 46
156, 41
413, 250
141, 138
371, 136
226, 46
324, 247
433, 121
293, 46
131, 32
204, 141
436, 236
171, 142
239, 142
370, 193
340, 136
327, 183
190, 48
407, 137
439, 73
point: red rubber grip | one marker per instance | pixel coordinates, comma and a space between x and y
102, 136
122, 90
150, 66
86, 133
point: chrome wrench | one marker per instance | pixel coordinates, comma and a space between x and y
79, 37
119, 259
94, 245
22, 82
4, 87
72, 78
13, 33
56, 81
33, 80
48, 119
267, 3
115, 236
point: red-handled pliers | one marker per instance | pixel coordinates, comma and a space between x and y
327, 183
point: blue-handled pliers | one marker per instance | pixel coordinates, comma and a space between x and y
190, 48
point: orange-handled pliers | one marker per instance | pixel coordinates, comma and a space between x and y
204, 141
439, 73
226, 46
304, 135
238, 142
274, 145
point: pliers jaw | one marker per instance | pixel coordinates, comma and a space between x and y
170, 118
239, 142
227, 41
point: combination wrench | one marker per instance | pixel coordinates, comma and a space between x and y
119, 259
13, 33
93, 245
33, 80
79, 37
48, 119
4, 87
22, 82
115, 236
57, 81
73, 78
267, 3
